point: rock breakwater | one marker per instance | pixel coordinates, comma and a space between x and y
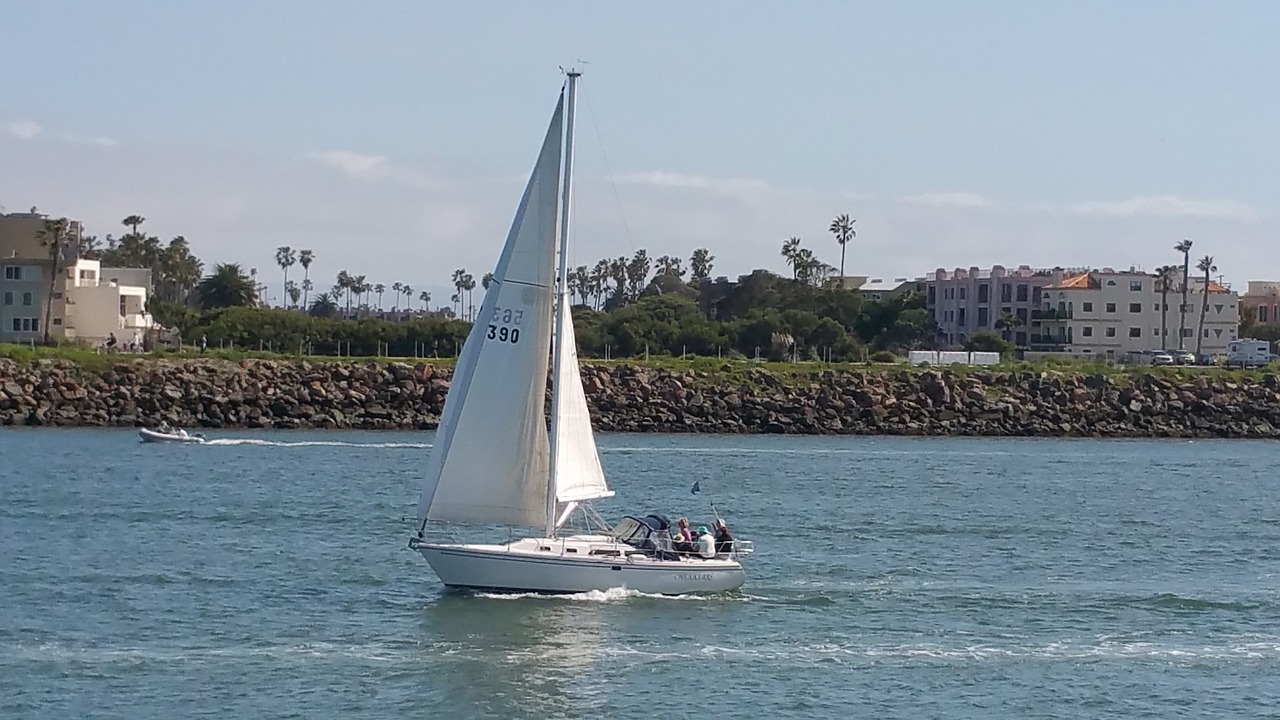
627, 398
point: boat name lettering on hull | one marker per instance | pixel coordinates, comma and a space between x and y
693, 576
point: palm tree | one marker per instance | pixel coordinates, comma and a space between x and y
1205, 266
294, 292
700, 265
408, 295
307, 287
285, 258
457, 286
486, 280
842, 228
791, 251
359, 287
1184, 247
1165, 277
668, 265
345, 281
305, 258
53, 235
618, 273
1007, 323
804, 265
469, 284
379, 288
90, 248
133, 221
599, 280
323, 306
638, 272
228, 286
398, 287
425, 297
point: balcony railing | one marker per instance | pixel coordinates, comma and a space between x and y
1051, 314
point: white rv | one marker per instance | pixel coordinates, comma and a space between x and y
1248, 353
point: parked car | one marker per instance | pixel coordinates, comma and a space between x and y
1162, 358
1183, 358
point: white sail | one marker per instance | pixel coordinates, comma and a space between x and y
578, 473
490, 460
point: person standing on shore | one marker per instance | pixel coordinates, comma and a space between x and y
204, 343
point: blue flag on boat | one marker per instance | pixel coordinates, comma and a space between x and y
695, 489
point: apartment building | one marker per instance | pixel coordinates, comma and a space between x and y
1263, 298
1109, 314
963, 302
89, 302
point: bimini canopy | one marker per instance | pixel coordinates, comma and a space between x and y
635, 530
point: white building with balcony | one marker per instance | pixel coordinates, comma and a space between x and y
106, 301
1108, 314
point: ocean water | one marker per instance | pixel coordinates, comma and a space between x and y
268, 575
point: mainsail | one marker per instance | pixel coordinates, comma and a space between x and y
490, 461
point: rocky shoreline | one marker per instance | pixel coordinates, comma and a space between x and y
627, 398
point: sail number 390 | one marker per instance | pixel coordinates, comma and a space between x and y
502, 318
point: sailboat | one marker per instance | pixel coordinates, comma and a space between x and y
496, 463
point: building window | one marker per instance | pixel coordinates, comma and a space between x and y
1111, 307
984, 293
962, 293
1020, 338
1135, 285
1006, 293
1262, 312
1186, 332
1111, 282
933, 295
1086, 307
1021, 314
1135, 307
1111, 332
57, 321
1087, 331
1206, 332
27, 299
983, 316
1135, 332
8, 300
960, 319
26, 325
57, 296
12, 272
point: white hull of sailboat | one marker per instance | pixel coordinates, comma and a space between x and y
521, 567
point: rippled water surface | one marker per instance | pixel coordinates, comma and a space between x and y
267, 575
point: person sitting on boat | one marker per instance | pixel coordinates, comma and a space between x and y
164, 427
683, 538
724, 541
706, 543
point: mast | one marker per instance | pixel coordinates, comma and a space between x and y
562, 306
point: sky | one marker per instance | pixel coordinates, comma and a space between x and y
394, 138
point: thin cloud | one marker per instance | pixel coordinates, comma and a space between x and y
951, 199
1169, 206
29, 130
24, 129
728, 186
355, 165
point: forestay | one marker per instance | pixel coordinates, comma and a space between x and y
490, 461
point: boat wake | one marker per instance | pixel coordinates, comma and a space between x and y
309, 443
612, 595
